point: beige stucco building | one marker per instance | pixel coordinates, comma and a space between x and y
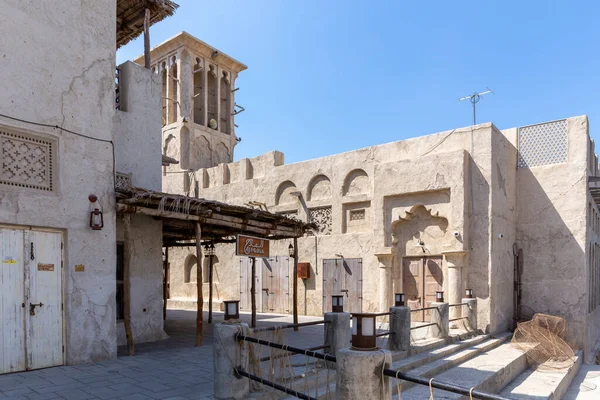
444, 212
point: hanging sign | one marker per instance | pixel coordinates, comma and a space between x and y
252, 247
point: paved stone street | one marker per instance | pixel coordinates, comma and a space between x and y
169, 369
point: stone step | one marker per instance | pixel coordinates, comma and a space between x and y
418, 360
490, 372
543, 382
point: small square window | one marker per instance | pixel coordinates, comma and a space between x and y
357, 215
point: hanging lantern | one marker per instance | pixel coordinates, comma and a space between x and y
232, 309
337, 303
96, 217
209, 250
291, 250
363, 332
469, 293
399, 299
439, 296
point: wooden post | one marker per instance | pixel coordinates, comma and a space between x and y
147, 39
199, 284
165, 283
210, 287
295, 304
253, 292
127, 286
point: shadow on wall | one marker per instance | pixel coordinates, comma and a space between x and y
554, 276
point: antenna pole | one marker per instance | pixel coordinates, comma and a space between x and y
474, 99
474, 113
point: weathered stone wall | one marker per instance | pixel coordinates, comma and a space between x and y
58, 69
138, 154
551, 230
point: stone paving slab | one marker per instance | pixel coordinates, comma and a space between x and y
170, 369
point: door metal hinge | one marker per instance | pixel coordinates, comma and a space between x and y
62, 306
61, 245
63, 349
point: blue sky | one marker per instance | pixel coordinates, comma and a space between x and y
327, 76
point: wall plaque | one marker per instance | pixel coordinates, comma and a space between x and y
45, 267
79, 268
251, 246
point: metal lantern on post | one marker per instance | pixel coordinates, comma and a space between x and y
399, 299
439, 296
209, 251
232, 309
337, 303
469, 293
363, 332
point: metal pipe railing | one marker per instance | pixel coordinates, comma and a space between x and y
423, 309
380, 314
442, 385
384, 333
296, 350
288, 326
274, 385
456, 319
458, 304
267, 358
423, 326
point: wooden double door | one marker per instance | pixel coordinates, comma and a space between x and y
343, 276
271, 284
31, 328
421, 277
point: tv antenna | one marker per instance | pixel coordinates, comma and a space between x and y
474, 99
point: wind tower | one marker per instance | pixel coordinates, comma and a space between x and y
198, 108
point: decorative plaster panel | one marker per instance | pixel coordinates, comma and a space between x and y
27, 161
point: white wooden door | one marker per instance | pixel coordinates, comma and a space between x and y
30, 274
246, 284
43, 269
12, 302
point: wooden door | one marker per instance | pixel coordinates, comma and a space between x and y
421, 277
30, 300
43, 278
12, 301
433, 280
343, 276
246, 284
275, 284
412, 283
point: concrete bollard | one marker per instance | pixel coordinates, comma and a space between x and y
227, 354
471, 312
442, 318
359, 374
399, 329
337, 332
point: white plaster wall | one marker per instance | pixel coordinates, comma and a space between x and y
551, 230
138, 152
58, 69
146, 271
138, 126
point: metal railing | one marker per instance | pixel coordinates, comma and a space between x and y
239, 371
422, 310
457, 305
449, 387
289, 326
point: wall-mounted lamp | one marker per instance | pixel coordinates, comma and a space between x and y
399, 299
363, 332
340, 255
469, 293
96, 217
337, 303
439, 296
232, 309
291, 250
209, 250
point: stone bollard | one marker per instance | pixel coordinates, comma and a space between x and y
471, 313
441, 317
337, 333
359, 374
227, 354
399, 329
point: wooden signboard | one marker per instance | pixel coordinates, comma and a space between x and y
249, 246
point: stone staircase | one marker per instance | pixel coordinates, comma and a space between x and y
487, 363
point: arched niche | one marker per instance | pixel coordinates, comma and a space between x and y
283, 193
221, 155
225, 122
356, 182
199, 93
213, 100
319, 188
200, 153
419, 224
206, 270
190, 270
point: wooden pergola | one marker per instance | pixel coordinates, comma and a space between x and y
190, 221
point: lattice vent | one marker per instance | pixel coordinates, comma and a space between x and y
543, 144
27, 161
321, 216
122, 181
